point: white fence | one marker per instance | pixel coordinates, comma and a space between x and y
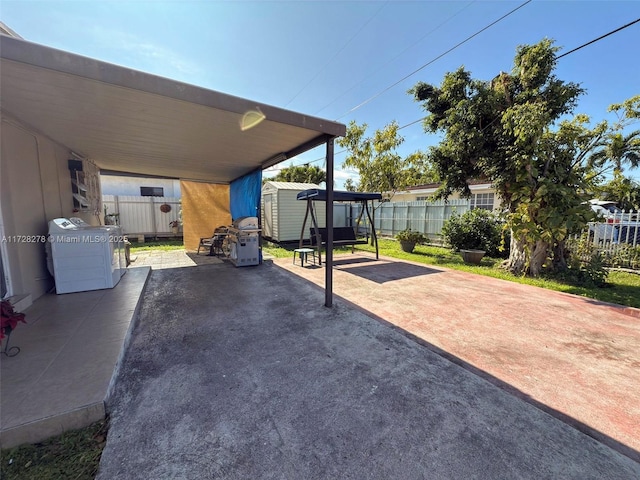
143, 215
617, 239
618, 228
426, 217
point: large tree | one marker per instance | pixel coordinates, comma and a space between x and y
509, 131
301, 174
380, 167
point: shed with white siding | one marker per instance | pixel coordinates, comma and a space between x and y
282, 214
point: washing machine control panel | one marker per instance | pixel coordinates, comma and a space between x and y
61, 225
79, 222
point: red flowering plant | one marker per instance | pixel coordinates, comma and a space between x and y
9, 319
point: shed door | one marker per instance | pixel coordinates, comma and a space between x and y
268, 216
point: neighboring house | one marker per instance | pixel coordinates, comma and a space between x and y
483, 195
112, 183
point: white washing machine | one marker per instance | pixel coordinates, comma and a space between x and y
116, 237
85, 257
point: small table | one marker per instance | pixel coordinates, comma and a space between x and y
304, 255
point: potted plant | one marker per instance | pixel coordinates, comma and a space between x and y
175, 226
473, 234
410, 238
8, 322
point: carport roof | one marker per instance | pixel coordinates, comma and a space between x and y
131, 121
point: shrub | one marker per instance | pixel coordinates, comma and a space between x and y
586, 264
476, 229
413, 236
626, 256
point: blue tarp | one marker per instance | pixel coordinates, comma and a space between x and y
244, 195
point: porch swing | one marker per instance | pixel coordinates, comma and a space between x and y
342, 236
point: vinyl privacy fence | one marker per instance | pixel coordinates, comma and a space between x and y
426, 217
143, 215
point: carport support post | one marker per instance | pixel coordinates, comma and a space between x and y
328, 265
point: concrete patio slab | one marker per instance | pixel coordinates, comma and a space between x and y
576, 358
240, 373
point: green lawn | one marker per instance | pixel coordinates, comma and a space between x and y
622, 288
157, 245
72, 455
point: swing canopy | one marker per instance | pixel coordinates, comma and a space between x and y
338, 196
340, 236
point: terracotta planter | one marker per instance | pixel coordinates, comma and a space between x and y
472, 256
407, 246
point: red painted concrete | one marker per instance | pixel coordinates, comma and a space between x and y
577, 358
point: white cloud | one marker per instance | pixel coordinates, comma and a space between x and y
158, 58
344, 174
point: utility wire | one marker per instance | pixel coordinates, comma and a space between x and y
434, 60
320, 159
557, 58
598, 39
398, 55
337, 53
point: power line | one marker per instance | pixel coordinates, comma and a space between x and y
434, 60
320, 159
557, 58
411, 123
598, 39
398, 55
337, 53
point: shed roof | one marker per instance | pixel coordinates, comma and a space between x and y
290, 185
131, 121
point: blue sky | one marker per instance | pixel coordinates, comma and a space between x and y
324, 58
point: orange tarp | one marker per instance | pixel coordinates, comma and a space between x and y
205, 206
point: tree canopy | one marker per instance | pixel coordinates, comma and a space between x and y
301, 174
622, 190
380, 167
514, 131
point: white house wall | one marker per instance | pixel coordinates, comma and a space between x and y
35, 187
415, 195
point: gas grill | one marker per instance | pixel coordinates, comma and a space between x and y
243, 239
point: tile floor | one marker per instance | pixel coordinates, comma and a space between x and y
69, 350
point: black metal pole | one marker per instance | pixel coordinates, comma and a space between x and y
328, 273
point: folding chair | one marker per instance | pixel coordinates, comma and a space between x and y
214, 243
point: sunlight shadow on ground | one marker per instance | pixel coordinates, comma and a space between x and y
382, 271
204, 259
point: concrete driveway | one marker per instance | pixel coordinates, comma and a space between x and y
576, 358
241, 373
